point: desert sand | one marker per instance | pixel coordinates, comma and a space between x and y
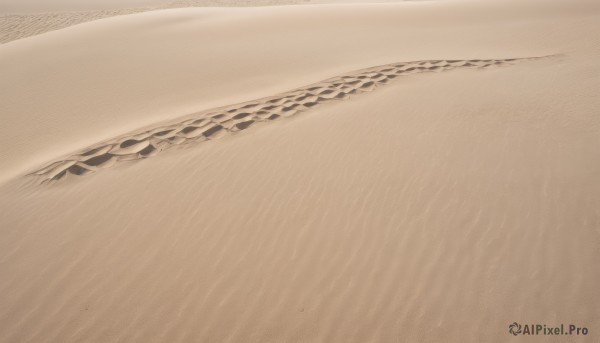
197, 171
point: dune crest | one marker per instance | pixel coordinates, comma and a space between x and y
14, 26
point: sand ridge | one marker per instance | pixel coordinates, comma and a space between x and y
215, 123
14, 26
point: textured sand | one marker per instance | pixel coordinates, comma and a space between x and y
406, 172
21, 19
216, 123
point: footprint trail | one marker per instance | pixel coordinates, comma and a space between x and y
215, 123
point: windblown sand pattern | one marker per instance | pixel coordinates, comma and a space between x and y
215, 123
19, 26
440, 208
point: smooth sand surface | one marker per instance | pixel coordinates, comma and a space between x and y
446, 191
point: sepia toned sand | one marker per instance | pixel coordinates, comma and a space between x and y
418, 171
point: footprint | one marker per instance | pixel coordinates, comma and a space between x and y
215, 123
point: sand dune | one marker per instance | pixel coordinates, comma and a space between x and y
83, 85
441, 182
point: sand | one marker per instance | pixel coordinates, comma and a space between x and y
21, 19
355, 172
